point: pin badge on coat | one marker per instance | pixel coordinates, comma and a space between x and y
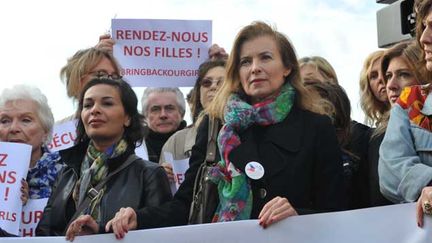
254, 170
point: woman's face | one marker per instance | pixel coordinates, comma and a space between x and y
20, 123
103, 115
398, 76
376, 82
426, 40
210, 83
262, 72
104, 68
310, 74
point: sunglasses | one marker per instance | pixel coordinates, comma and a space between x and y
207, 83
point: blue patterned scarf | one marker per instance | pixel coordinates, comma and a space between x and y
42, 176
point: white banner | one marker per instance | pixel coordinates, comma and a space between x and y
64, 136
390, 224
14, 164
161, 53
31, 215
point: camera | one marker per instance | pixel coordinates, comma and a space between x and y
395, 22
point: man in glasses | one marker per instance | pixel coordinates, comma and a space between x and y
163, 110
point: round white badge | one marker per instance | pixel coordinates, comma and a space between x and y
254, 170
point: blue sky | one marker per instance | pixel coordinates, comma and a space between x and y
38, 38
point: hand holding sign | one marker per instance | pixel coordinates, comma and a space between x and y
105, 43
24, 191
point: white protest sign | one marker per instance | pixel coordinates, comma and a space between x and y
169, 159
141, 151
64, 136
390, 224
179, 170
14, 164
161, 53
31, 215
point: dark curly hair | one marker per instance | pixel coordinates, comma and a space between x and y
134, 133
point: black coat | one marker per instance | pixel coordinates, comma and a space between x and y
376, 197
358, 145
155, 141
140, 184
302, 162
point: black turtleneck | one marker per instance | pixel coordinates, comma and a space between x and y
155, 141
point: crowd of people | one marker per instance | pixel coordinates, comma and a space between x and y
286, 117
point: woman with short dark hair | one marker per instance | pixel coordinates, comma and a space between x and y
108, 130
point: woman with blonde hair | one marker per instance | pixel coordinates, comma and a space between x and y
373, 98
85, 65
210, 77
278, 156
317, 69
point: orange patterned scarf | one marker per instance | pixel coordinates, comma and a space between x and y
413, 99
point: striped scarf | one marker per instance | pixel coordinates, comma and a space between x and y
235, 195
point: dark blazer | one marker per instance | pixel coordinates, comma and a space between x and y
302, 162
358, 145
140, 184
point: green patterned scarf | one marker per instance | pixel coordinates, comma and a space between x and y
93, 170
235, 195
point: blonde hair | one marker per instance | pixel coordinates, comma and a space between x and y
304, 98
371, 106
322, 66
80, 64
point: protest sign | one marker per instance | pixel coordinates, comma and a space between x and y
31, 215
14, 164
179, 170
161, 53
141, 151
169, 159
64, 136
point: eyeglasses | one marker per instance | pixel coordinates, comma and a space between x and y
103, 74
207, 83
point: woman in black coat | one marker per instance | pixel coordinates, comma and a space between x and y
108, 131
278, 156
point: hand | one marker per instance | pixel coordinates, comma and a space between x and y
275, 210
425, 197
83, 225
124, 220
168, 170
217, 52
24, 192
105, 43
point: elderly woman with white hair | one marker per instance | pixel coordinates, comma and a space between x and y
25, 117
